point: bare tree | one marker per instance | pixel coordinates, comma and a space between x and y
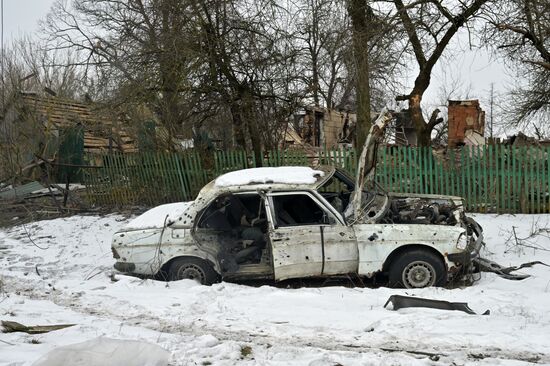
430, 26
362, 19
521, 31
250, 62
377, 61
193, 63
138, 51
29, 67
324, 30
451, 87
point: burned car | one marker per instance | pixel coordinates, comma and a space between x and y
294, 222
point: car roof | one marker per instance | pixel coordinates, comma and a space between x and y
295, 177
211, 189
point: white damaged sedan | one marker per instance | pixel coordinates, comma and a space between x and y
293, 222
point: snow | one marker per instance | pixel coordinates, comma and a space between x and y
282, 175
103, 351
159, 216
69, 282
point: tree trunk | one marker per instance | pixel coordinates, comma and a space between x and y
357, 10
423, 134
315, 77
244, 120
238, 128
252, 124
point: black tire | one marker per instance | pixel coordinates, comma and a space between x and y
193, 269
417, 269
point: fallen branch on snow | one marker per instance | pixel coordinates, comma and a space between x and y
12, 327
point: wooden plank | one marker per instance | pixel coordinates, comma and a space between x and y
524, 186
508, 186
497, 181
402, 177
503, 172
171, 194
411, 176
538, 179
532, 182
431, 171
185, 176
417, 172
451, 172
469, 165
385, 180
502, 185
547, 190
514, 185
121, 188
440, 189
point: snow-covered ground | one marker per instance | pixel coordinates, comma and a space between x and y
63, 277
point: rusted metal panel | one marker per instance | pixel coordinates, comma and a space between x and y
20, 191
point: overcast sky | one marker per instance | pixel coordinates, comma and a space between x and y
22, 16
474, 69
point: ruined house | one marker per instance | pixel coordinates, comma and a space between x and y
403, 129
319, 127
466, 123
33, 125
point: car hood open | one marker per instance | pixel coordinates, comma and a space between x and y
366, 167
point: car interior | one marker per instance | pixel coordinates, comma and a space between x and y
238, 223
337, 191
297, 210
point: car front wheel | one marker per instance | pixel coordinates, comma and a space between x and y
417, 269
192, 269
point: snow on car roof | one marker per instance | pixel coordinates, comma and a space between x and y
279, 175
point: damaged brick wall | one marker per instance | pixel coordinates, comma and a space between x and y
464, 115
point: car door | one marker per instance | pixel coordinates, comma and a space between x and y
303, 236
341, 254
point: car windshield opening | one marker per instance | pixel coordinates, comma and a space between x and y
337, 191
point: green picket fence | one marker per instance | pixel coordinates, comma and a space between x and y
491, 179
154, 178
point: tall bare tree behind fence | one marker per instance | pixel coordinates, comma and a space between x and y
491, 179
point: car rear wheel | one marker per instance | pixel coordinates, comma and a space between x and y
192, 269
417, 269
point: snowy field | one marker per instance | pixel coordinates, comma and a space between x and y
64, 277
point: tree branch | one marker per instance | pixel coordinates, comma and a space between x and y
539, 45
411, 32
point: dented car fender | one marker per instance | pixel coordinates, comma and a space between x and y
168, 243
376, 242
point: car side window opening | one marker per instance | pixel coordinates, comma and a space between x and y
238, 223
298, 210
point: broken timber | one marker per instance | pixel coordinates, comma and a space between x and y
12, 327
